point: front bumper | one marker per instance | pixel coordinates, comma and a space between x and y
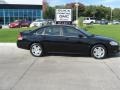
113, 49
119, 48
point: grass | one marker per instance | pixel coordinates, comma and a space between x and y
10, 35
112, 31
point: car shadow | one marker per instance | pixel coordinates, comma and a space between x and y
79, 55
114, 56
66, 55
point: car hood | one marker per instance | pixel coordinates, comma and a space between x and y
98, 37
13, 23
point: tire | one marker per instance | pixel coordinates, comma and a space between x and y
99, 52
36, 50
91, 22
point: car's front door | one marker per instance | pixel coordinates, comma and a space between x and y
74, 41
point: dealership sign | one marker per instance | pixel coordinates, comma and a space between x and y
63, 15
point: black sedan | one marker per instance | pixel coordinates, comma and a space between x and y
66, 39
0, 26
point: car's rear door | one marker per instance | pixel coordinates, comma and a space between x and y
53, 39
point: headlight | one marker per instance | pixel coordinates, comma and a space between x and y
113, 43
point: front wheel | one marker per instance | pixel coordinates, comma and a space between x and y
91, 22
99, 52
36, 50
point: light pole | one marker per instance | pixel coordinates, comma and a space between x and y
111, 14
77, 5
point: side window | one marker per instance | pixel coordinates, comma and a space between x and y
69, 31
40, 31
52, 31
87, 18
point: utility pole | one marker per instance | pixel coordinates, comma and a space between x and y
77, 5
111, 14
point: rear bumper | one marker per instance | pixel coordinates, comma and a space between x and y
23, 44
13, 26
25, 25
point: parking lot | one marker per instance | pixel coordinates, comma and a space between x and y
21, 71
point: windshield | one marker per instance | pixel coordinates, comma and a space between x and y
38, 20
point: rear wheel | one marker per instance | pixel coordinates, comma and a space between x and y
36, 50
99, 52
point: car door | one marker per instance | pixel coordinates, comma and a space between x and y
53, 39
74, 40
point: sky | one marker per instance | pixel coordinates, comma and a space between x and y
109, 3
34, 2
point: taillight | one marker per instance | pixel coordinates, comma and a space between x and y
20, 37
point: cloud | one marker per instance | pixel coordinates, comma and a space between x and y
36, 2
109, 1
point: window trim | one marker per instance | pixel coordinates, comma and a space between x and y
71, 36
35, 32
53, 35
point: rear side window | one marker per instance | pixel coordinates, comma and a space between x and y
52, 31
40, 31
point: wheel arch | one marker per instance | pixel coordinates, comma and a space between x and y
38, 43
98, 44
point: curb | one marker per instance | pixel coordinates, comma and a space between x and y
7, 44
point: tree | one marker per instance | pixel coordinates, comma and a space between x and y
116, 14
99, 12
72, 6
48, 11
45, 5
90, 11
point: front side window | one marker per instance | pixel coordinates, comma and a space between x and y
69, 31
87, 19
52, 31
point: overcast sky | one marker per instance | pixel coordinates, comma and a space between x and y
36, 2
109, 3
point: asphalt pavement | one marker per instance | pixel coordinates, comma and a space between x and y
19, 70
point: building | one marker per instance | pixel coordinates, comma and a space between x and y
11, 10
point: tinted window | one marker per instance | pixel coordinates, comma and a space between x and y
40, 31
52, 31
87, 19
91, 18
69, 31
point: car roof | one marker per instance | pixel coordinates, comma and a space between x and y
60, 25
